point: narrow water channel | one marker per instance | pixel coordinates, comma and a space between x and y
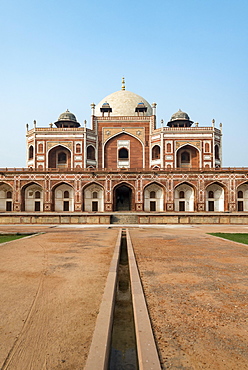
123, 354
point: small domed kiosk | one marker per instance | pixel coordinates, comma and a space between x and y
67, 119
180, 119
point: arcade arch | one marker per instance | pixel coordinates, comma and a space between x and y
242, 197
215, 198
33, 198
63, 198
123, 197
153, 198
5, 198
184, 198
93, 196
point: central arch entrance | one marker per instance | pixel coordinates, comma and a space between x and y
123, 198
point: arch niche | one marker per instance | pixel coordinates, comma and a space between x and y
93, 196
91, 153
242, 197
63, 198
32, 198
188, 157
184, 198
119, 144
153, 198
59, 157
5, 198
123, 197
155, 152
215, 198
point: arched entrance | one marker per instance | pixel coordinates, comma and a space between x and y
59, 157
123, 198
188, 157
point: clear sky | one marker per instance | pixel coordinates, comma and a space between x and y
187, 54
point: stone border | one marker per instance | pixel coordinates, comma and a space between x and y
25, 237
147, 352
142, 218
98, 356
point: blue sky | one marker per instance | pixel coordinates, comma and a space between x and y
187, 54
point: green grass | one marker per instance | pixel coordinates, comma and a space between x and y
236, 237
9, 238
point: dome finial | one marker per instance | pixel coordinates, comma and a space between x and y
123, 83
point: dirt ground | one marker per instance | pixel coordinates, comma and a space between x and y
196, 288
51, 287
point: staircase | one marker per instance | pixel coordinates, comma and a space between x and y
123, 219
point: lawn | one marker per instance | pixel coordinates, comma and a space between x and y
9, 238
236, 237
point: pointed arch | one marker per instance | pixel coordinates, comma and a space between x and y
215, 197
40, 148
59, 156
184, 197
78, 148
156, 152
6, 197
111, 150
188, 156
242, 197
217, 151
123, 153
124, 196
62, 197
153, 197
29, 200
91, 152
31, 152
93, 197
156, 167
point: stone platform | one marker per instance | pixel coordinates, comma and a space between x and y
98, 218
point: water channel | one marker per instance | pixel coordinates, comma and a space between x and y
123, 353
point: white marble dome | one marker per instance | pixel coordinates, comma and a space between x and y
123, 103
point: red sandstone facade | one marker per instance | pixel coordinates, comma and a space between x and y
124, 163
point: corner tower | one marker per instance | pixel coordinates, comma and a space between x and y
59, 146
